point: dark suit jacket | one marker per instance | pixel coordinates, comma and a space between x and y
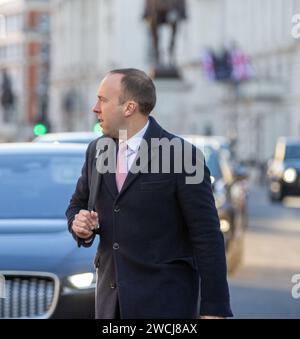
158, 236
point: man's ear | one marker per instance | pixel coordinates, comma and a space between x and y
130, 108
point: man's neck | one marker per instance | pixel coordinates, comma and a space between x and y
134, 128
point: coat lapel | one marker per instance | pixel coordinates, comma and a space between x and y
109, 178
110, 181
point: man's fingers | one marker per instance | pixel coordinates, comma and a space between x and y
84, 220
91, 216
84, 224
81, 224
86, 214
94, 215
81, 232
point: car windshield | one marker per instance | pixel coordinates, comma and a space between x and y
211, 158
292, 152
37, 185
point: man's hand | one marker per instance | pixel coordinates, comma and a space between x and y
84, 223
210, 317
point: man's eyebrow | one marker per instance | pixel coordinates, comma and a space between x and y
100, 97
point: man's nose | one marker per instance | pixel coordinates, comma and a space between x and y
96, 108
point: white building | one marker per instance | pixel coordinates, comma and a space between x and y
24, 56
90, 37
266, 110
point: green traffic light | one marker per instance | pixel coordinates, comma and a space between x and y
97, 128
39, 129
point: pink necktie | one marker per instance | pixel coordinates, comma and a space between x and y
122, 170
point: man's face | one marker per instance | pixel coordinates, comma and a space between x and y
108, 109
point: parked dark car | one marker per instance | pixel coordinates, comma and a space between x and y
230, 192
47, 275
283, 172
68, 137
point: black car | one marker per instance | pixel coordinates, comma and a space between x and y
68, 137
283, 172
46, 274
230, 188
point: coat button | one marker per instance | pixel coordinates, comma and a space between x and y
117, 209
113, 286
116, 246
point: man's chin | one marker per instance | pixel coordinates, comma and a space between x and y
109, 134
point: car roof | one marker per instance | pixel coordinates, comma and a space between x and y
67, 136
28, 147
289, 140
215, 142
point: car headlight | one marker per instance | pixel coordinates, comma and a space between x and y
224, 225
290, 175
83, 280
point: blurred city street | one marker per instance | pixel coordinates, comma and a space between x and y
261, 288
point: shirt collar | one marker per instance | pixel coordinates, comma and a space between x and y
135, 141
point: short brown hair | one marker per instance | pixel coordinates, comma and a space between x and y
137, 86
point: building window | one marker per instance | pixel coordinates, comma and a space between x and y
2, 26
44, 23
14, 24
2, 53
11, 52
